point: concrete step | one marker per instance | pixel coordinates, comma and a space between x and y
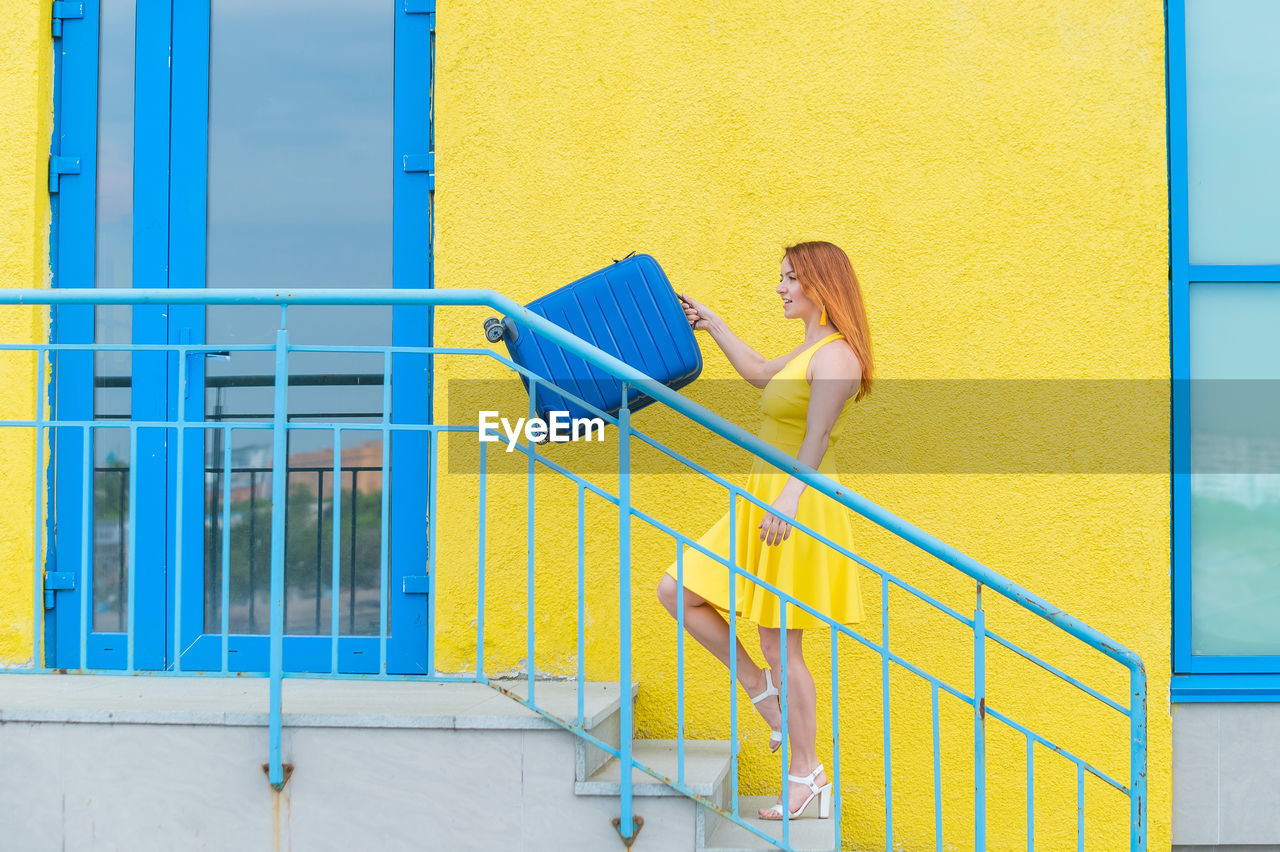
716, 833
706, 770
707, 774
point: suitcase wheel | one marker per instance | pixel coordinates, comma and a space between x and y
493, 329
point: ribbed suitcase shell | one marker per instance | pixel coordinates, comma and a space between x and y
629, 310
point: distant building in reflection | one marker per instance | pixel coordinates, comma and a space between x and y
1237, 468
251, 471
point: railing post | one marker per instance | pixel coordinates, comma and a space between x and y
582, 605
680, 664
733, 660
483, 510
279, 485
626, 827
979, 726
335, 528
837, 802
530, 549
884, 713
37, 619
1138, 758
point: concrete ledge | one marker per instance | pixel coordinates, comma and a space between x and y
159, 788
1233, 848
306, 702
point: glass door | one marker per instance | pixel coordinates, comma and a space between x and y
292, 136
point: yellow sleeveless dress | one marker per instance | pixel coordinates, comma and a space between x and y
800, 566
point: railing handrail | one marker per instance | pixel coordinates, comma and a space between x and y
651, 387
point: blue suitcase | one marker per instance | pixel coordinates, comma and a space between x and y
627, 309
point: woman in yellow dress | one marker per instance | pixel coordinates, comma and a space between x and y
805, 393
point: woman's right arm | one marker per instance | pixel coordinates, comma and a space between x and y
749, 363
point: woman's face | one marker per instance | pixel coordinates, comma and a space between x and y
795, 304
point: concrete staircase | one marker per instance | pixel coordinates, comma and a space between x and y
141, 763
706, 774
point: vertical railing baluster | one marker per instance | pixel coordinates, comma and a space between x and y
937, 773
979, 724
680, 664
37, 558
884, 686
279, 485
253, 550
1079, 807
1031, 794
582, 603
1138, 759
482, 510
319, 543
836, 799
335, 544
351, 546
433, 529
733, 654
627, 827
384, 525
530, 497
122, 560
288, 483
786, 741
226, 547
86, 575
178, 515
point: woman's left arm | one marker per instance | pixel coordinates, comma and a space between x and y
836, 376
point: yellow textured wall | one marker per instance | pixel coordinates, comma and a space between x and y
26, 113
997, 172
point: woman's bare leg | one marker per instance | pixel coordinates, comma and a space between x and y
802, 707
706, 625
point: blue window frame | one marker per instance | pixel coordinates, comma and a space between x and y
164, 98
1224, 125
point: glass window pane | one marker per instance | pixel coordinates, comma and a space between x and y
113, 267
1235, 458
110, 529
301, 163
1233, 130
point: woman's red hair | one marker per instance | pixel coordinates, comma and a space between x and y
827, 277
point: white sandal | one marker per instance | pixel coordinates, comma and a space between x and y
823, 794
775, 736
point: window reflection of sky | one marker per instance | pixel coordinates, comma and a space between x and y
113, 248
1233, 122
300, 169
1235, 426
300, 182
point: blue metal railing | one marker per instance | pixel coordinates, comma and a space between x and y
1134, 788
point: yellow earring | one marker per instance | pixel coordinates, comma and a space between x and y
823, 319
